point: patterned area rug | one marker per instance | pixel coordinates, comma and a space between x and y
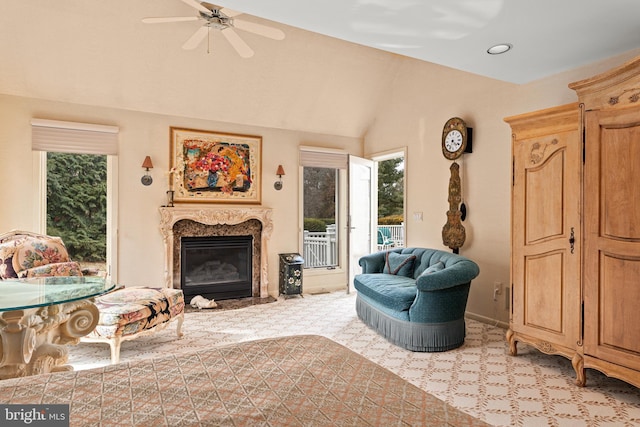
479, 378
291, 381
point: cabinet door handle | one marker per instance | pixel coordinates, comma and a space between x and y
572, 240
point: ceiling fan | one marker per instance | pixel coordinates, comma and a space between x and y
222, 19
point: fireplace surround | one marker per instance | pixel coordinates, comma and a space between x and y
179, 221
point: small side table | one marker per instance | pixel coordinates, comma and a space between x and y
291, 274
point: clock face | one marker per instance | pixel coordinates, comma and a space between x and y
454, 138
453, 141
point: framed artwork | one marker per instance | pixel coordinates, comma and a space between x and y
215, 167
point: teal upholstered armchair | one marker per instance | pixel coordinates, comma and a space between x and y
415, 297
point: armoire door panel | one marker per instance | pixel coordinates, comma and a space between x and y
544, 198
612, 237
544, 292
546, 230
618, 301
620, 158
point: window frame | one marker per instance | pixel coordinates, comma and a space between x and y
80, 138
326, 279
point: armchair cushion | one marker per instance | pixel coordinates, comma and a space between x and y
395, 292
69, 268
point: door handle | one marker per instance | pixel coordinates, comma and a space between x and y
572, 240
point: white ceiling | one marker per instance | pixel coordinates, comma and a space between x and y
100, 53
548, 36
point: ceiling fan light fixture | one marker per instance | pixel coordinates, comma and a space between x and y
223, 20
499, 48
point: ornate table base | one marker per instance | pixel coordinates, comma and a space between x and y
34, 339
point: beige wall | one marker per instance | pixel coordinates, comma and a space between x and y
424, 96
413, 99
140, 245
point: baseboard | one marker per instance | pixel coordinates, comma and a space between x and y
485, 319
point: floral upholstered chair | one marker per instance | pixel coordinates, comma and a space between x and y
125, 313
24, 255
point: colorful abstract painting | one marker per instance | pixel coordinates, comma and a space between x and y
215, 167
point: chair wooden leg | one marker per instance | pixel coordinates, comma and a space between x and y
180, 320
114, 343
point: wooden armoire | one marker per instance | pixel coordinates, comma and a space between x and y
575, 258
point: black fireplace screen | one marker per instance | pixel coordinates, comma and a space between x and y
216, 267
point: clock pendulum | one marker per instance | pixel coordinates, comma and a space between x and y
453, 232
463, 205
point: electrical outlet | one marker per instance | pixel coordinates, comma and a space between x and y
497, 290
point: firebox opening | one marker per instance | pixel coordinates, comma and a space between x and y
216, 267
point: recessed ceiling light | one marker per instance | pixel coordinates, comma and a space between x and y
499, 48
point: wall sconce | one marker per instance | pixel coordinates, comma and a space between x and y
146, 178
278, 184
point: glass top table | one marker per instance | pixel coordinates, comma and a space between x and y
39, 316
22, 294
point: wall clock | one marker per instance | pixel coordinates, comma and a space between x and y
456, 138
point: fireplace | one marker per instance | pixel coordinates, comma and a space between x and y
216, 267
190, 221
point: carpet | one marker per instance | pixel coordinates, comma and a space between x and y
305, 380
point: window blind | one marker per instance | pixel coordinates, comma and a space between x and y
323, 159
71, 137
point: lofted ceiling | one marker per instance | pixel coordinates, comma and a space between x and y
324, 77
548, 36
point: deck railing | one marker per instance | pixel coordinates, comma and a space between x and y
321, 248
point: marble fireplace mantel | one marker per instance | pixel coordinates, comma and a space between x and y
214, 215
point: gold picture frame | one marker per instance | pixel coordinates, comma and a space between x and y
215, 167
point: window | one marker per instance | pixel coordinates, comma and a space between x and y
322, 238
320, 217
77, 169
391, 203
77, 206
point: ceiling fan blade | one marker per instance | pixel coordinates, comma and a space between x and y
261, 30
196, 38
196, 5
169, 19
238, 44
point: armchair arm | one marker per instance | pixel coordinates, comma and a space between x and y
454, 275
372, 263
